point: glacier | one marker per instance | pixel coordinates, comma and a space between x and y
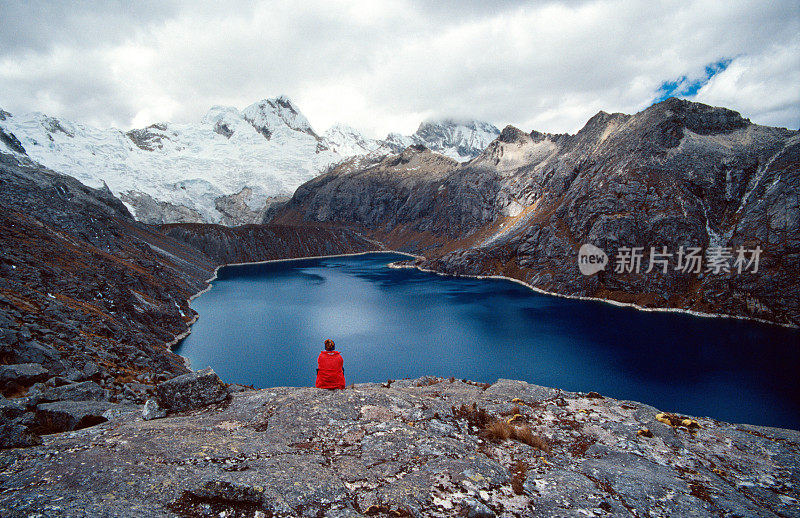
228, 168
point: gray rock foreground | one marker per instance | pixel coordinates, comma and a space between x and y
403, 450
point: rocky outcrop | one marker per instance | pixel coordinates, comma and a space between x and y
236, 209
678, 174
10, 140
154, 212
386, 195
152, 410
63, 416
427, 447
190, 391
15, 377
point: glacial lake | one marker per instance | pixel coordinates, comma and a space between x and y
264, 325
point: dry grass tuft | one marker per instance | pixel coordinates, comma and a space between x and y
497, 431
675, 420
524, 434
484, 386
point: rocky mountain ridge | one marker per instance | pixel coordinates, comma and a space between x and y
229, 168
678, 174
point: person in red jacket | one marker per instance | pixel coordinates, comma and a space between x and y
330, 369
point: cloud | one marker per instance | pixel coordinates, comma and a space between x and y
385, 66
760, 87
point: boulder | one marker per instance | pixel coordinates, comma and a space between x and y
73, 374
10, 409
136, 391
152, 410
34, 352
63, 416
193, 390
91, 369
21, 374
83, 391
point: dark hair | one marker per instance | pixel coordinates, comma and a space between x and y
329, 345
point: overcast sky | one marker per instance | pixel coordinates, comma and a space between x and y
383, 66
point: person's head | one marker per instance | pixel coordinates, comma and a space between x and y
329, 345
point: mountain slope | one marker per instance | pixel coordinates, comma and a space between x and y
88, 293
85, 291
678, 174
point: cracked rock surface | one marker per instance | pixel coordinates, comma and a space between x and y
407, 448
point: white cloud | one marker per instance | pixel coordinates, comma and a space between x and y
749, 83
385, 66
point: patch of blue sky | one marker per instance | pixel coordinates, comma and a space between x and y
686, 86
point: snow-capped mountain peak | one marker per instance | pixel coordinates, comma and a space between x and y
461, 140
226, 120
170, 172
276, 114
398, 142
348, 141
226, 168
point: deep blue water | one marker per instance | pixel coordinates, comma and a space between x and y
265, 324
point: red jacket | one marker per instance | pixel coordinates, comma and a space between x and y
330, 370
